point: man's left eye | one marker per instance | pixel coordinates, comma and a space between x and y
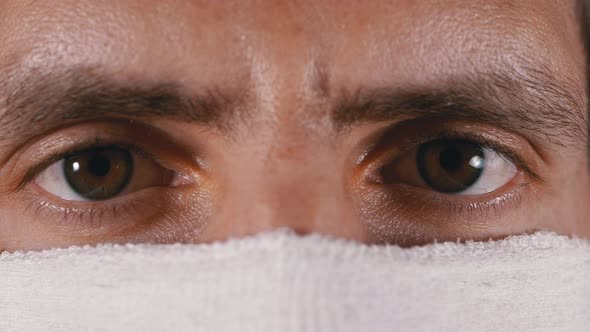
102, 173
451, 166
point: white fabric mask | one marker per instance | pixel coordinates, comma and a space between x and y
281, 282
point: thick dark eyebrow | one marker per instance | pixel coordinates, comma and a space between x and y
47, 101
535, 104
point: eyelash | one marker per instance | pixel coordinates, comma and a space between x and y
99, 142
99, 215
450, 207
480, 209
94, 216
485, 142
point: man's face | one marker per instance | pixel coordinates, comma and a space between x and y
398, 122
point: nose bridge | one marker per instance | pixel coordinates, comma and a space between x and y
300, 193
292, 178
290, 188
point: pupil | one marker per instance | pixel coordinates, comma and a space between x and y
99, 173
449, 165
451, 159
99, 166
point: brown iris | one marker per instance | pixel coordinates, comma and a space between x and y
99, 173
450, 166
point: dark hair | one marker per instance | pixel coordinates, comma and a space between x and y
586, 32
585, 23
584, 14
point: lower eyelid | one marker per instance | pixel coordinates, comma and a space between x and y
520, 180
429, 204
86, 215
406, 218
155, 214
94, 218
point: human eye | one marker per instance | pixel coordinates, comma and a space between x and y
102, 173
446, 181
453, 167
112, 181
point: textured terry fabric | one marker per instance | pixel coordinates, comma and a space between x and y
281, 282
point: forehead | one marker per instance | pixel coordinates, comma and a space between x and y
371, 41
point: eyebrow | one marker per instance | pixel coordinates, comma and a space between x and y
80, 95
535, 103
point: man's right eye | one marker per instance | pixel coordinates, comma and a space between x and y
102, 173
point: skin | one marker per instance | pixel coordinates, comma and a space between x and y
275, 153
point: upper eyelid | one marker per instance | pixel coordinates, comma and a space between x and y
502, 149
151, 149
97, 143
422, 137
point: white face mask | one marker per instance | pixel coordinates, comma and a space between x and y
280, 282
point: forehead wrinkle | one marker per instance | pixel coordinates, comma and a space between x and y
315, 98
